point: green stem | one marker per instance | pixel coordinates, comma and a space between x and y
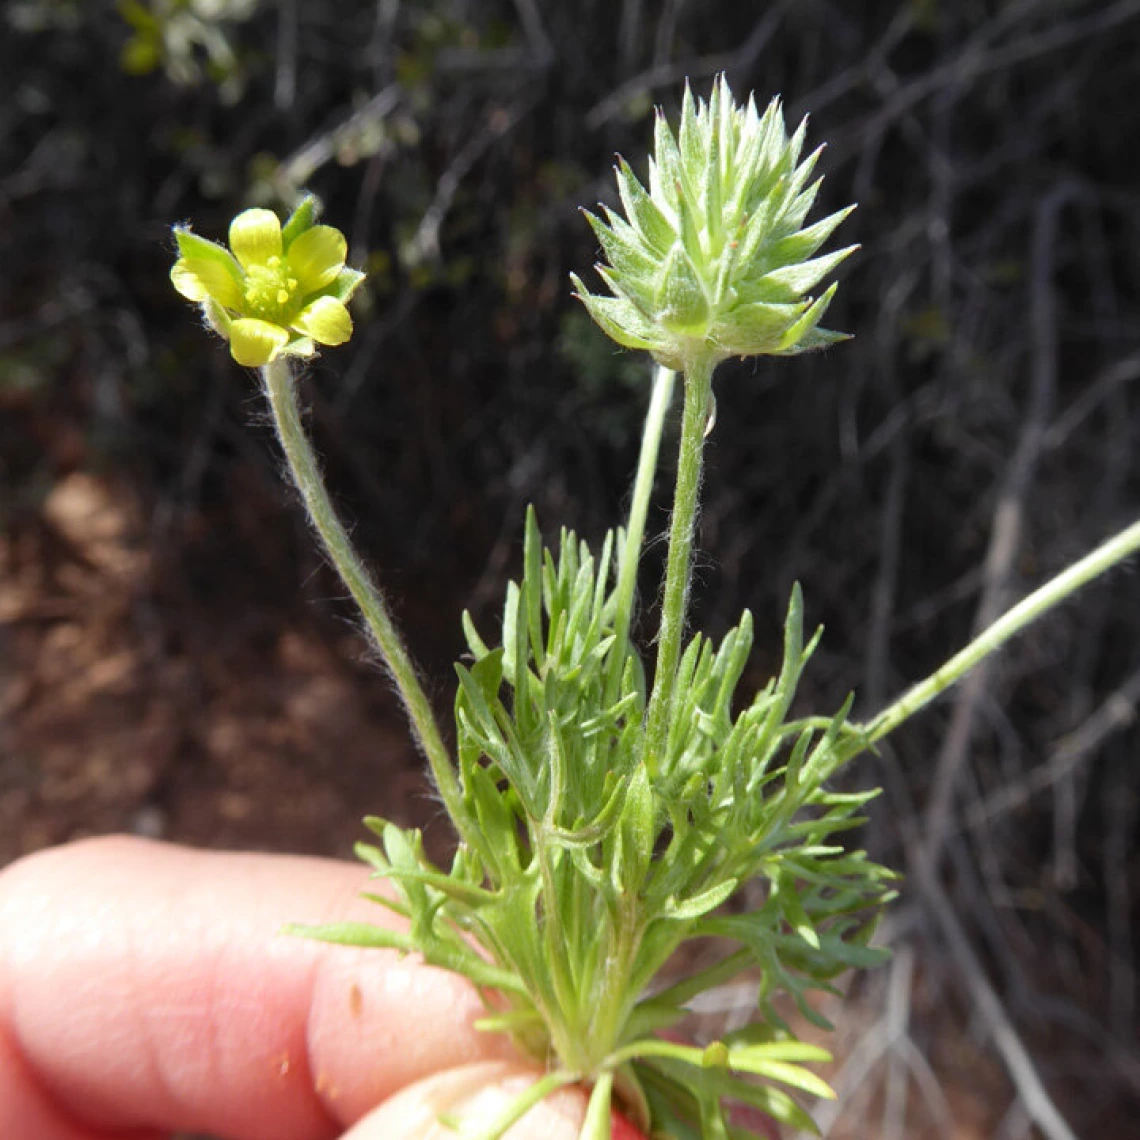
612, 996
281, 391
674, 606
596, 1126
630, 557
1105, 556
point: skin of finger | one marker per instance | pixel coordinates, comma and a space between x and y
386, 1028
146, 986
28, 1113
476, 1094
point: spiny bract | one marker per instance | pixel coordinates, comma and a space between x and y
712, 260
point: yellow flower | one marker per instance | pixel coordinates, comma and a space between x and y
281, 291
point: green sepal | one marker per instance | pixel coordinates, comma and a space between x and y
216, 317
192, 247
303, 217
758, 327
344, 285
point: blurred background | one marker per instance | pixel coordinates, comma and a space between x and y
176, 660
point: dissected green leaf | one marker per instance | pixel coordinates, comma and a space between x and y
574, 846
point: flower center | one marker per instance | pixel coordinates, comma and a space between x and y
271, 293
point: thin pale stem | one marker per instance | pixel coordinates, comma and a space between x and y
281, 391
613, 998
596, 1126
1012, 622
674, 606
662, 397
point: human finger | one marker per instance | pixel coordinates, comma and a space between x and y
146, 986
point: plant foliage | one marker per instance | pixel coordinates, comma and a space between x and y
579, 875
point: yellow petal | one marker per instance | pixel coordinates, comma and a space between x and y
198, 278
326, 320
255, 237
317, 257
186, 281
254, 343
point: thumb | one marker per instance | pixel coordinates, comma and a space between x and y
475, 1095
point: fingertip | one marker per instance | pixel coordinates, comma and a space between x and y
474, 1094
188, 1009
379, 1022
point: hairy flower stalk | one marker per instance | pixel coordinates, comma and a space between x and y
279, 293
678, 568
281, 392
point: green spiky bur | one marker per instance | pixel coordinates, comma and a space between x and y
713, 259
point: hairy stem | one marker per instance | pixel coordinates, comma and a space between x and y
281, 391
674, 606
630, 557
1012, 622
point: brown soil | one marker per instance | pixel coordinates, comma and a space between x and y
232, 726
